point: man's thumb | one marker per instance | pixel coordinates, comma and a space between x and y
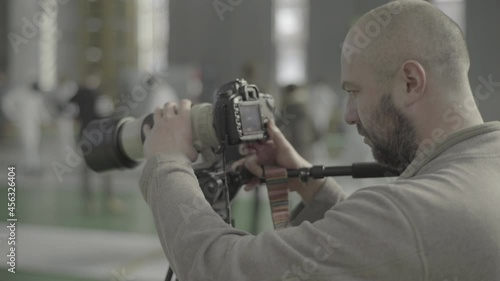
146, 129
275, 134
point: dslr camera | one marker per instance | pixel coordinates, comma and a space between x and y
238, 115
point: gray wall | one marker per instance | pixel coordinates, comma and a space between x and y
23, 59
199, 36
69, 46
329, 23
3, 34
483, 38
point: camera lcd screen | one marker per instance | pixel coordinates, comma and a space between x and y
250, 119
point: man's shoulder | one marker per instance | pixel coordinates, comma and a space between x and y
447, 194
417, 194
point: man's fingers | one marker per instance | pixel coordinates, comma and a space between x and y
252, 184
273, 131
259, 146
252, 166
246, 149
276, 135
185, 107
158, 115
237, 164
250, 163
147, 130
170, 109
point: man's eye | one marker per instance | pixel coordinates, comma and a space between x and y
351, 92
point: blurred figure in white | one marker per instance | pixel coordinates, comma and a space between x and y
160, 92
323, 104
67, 113
142, 93
295, 119
3, 90
25, 107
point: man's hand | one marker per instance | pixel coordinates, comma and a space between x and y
277, 151
172, 132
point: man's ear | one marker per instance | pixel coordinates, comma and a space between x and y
416, 81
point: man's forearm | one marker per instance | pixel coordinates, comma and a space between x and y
310, 189
318, 197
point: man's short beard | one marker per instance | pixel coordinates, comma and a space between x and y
392, 134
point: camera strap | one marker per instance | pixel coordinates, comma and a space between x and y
277, 190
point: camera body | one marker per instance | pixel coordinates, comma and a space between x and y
241, 113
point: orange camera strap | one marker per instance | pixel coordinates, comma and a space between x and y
277, 190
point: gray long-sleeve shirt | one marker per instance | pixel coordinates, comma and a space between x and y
439, 221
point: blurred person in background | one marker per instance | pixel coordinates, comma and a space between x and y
87, 103
295, 119
66, 113
142, 93
324, 106
25, 107
323, 102
252, 73
160, 92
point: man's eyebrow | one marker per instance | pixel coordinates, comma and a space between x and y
346, 85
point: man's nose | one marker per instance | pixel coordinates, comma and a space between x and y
351, 116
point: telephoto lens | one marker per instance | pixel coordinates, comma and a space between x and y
117, 143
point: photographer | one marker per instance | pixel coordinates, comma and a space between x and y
411, 100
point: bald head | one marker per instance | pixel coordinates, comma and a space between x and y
399, 31
405, 67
